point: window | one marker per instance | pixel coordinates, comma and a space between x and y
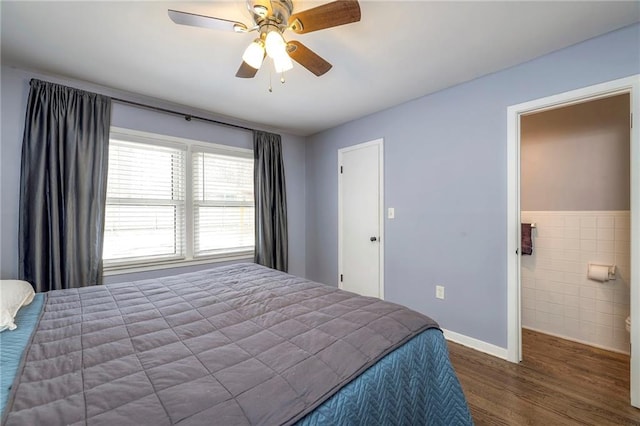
223, 210
170, 200
145, 202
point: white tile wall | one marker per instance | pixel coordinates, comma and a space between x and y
557, 296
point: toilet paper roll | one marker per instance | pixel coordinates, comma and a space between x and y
598, 273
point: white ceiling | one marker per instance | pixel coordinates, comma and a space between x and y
399, 51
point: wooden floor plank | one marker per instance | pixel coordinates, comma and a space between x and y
558, 383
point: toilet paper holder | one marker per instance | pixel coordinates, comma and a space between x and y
611, 269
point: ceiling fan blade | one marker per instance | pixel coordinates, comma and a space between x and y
307, 58
326, 16
246, 71
194, 20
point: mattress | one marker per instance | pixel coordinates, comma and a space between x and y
158, 352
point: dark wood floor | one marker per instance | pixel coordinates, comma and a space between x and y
558, 383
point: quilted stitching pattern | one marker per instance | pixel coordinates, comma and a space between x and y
413, 385
241, 344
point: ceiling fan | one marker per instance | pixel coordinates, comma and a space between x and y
271, 19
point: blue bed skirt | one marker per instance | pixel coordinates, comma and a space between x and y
415, 383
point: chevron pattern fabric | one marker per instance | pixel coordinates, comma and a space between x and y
413, 385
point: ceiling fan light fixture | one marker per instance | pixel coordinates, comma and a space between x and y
254, 54
271, 18
275, 44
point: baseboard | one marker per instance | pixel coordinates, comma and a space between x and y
476, 344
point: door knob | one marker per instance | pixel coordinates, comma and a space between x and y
373, 239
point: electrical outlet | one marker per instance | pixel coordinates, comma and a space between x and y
440, 292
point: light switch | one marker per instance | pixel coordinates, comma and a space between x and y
391, 213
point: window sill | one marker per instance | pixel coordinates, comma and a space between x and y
113, 270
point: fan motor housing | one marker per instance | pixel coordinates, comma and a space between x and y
271, 12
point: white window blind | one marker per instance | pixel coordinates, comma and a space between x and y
145, 210
176, 201
223, 204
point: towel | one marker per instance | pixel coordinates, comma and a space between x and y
526, 245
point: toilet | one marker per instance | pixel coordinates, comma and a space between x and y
628, 324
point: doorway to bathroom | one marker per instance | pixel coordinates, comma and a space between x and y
575, 203
571, 180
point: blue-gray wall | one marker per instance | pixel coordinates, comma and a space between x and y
446, 176
14, 91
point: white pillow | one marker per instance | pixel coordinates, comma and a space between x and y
14, 294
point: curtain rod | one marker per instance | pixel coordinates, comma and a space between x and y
187, 117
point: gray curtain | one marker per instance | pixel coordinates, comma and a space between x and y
63, 186
271, 202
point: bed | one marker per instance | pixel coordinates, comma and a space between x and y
234, 345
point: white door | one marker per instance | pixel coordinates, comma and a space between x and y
360, 225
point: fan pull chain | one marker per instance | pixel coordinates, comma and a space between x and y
282, 79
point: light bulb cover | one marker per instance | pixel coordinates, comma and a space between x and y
275, 44
282, 63
254, 54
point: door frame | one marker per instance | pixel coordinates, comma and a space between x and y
630, 85
381, 239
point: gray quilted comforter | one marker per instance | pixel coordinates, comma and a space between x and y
234, 345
